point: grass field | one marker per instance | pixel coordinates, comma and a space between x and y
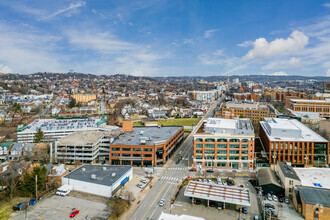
138, 124
6, 207
179, 121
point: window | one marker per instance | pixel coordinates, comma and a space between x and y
116, 155
234, 151
147, 155
199, 157
221, 152
147, 149
222, 146
209, 151
222, 140
199, 140
244, 152
126, 155
290, 189
234, 146
209, 140
136, 149
233, 157
291, 182
221, 164
136, 155
199, 151
243, 164
115, 148
244, 158
245, 140
126, 149
245, 146
221, 157
199, 145
209, 145
234, 140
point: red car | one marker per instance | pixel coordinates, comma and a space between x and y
74, 213
193, 170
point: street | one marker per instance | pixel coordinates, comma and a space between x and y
170, 176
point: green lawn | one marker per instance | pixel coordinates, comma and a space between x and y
138, 124
179, 121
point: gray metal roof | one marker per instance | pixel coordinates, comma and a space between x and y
266, 176
150, 134
287, 170
314, 195
102, 177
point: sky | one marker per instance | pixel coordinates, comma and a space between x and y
166, 38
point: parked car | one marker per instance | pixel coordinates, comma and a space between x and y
210, 181
256, 217
219, 206
161, 202
275, 198
199, 180
286, 200
280, 199
205, 180
210, 171
224, 183
268, 205
219, 182
74, 213
212, 204
245, 210
139, 185
273, 213
197, 202
193, 169
269, 197
33, 201
241, 186
144, 180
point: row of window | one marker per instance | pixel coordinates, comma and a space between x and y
131, 149
221, 152
222, 140
244, 146
130, 155
223, 157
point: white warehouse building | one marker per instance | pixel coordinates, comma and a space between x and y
101, 180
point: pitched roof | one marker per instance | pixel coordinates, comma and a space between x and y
287, 170
314, 195
266, 176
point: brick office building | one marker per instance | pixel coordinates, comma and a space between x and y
146, 146
289, 140
304, 105
224, 143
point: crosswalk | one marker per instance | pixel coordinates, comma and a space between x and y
170, 178
177, 168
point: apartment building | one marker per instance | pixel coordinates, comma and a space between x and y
207, 96
84, 98
83, 146
145, 146
304, 105
54, 129
289, 140
247, 96
224, 143
254, 111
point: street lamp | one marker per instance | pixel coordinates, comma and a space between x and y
306, 159
274, 158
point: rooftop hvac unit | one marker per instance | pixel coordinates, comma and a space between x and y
83, 170
104, 168
113, 174
93, 177
141, 132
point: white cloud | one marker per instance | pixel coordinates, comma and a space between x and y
278, 74
188, 41
5, 69
246, 43
294, 62
209, 33
327, 5
264, 49
71, 9
328, 73
217, 58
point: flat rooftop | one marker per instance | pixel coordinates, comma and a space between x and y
150, 134
104, 174
308, 100
253, 106
315, 177
52, 125
219, 193
281, 129
233, 126
83, 138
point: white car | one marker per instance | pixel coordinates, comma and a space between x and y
139, 185
219, 182
199, 180
210, 181
161, 202
205, 180
275, 198
143, 181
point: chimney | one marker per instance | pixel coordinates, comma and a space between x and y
127, 125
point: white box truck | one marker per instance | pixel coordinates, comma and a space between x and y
64, 190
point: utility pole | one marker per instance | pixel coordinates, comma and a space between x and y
36, 187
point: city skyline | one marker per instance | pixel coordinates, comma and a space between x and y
166, 38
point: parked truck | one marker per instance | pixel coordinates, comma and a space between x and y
64, 190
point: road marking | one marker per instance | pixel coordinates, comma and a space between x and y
162, 198
153, 201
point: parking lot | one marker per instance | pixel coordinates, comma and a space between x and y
58, 207
285, 211
183, 205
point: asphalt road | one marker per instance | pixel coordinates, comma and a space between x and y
169, 179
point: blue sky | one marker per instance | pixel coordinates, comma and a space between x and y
166, 38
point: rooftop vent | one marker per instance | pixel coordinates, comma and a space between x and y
141, 132
83, 170
113, 174
93, 177
104, 168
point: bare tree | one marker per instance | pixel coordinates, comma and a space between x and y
117, 209
11, 177
129, 196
